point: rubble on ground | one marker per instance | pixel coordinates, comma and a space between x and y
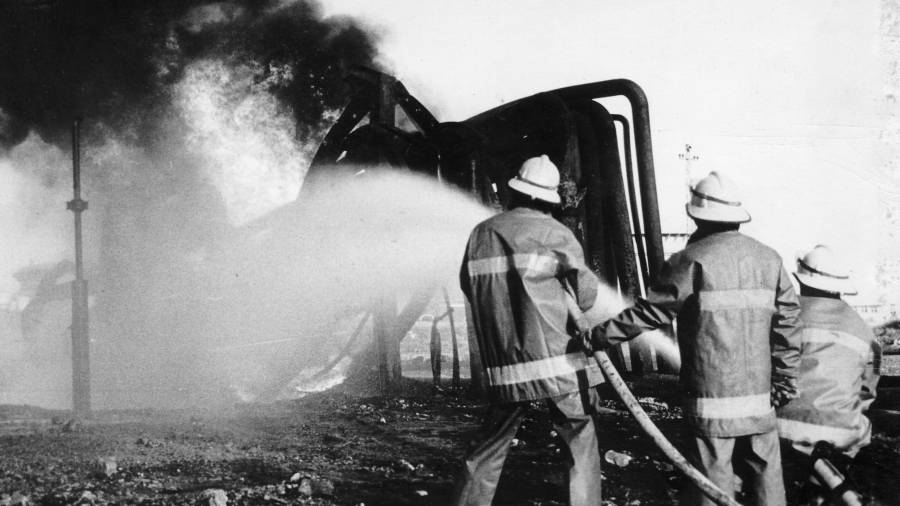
332, 448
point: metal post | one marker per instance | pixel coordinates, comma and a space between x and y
81, 369
385, 321
387, 344
453, 342
478, 385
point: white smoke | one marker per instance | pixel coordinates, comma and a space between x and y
33, 218
245, 139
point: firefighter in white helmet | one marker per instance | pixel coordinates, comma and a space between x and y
737, 317
839, 366
518, 267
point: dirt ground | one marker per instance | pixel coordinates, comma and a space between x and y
339, 448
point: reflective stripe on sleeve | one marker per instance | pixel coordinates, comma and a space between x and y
729, 407
845, 339
809, 432
539, 369
529, 262
733, 299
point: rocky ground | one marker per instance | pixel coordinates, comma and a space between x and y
339, 448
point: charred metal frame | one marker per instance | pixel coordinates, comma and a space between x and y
640, 113
377, 95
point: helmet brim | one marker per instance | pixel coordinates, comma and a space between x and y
721, 214
534, 191
826, 284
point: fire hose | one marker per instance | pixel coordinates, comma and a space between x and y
647, 425
618, 384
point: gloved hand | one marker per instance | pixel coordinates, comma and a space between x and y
782, 391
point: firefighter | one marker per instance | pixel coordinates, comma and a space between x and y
737, 317
518, 270
839, 366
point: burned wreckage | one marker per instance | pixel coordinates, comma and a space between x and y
606, 163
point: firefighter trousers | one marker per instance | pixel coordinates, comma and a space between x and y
756, 458
573, 417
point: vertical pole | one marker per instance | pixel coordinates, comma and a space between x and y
81, 370
478, 385
453, 341
436, 350
388, 342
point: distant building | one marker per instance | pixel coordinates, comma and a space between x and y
877, 314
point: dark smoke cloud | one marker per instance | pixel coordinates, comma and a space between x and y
112, 61
157, 221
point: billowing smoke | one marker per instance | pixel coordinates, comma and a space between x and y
199, 119
115, 61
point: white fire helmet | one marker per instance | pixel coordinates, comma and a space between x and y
539, 178
715, 198
821, 269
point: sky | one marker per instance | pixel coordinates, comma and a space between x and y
787, 98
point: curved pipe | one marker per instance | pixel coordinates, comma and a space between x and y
632, 198
640, 114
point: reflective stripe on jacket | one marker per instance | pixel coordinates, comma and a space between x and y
736, 320
518, 267
839, 371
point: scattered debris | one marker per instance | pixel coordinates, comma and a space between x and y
423, 471
107, 466
305, 487
148, 443
71, 425
322, 486
653, 405
329, 449
617, 458
16, 499
87, 497
664, 466
213, 497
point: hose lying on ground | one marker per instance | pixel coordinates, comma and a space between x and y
585, 323
618, 384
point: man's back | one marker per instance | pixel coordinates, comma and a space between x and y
516, 273
736, 311
838, 377
517, 269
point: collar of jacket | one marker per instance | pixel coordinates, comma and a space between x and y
821, 305
700, 235
528, 210
822, 312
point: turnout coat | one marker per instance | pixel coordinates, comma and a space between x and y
737, 316
518, 269
839, 372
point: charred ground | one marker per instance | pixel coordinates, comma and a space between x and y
340, 447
